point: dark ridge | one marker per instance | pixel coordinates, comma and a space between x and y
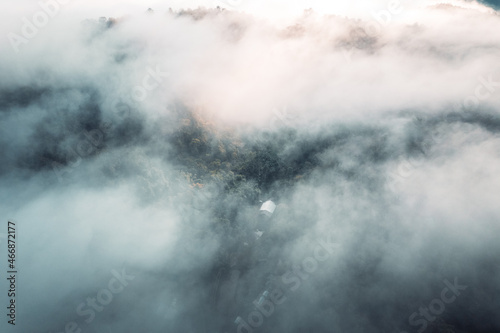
20, 97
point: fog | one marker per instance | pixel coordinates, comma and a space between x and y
138, 146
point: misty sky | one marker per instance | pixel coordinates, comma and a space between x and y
137, 148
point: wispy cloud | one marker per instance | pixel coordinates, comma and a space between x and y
148, 140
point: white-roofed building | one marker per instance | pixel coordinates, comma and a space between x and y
268, 208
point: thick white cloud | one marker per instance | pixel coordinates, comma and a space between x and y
383, 118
